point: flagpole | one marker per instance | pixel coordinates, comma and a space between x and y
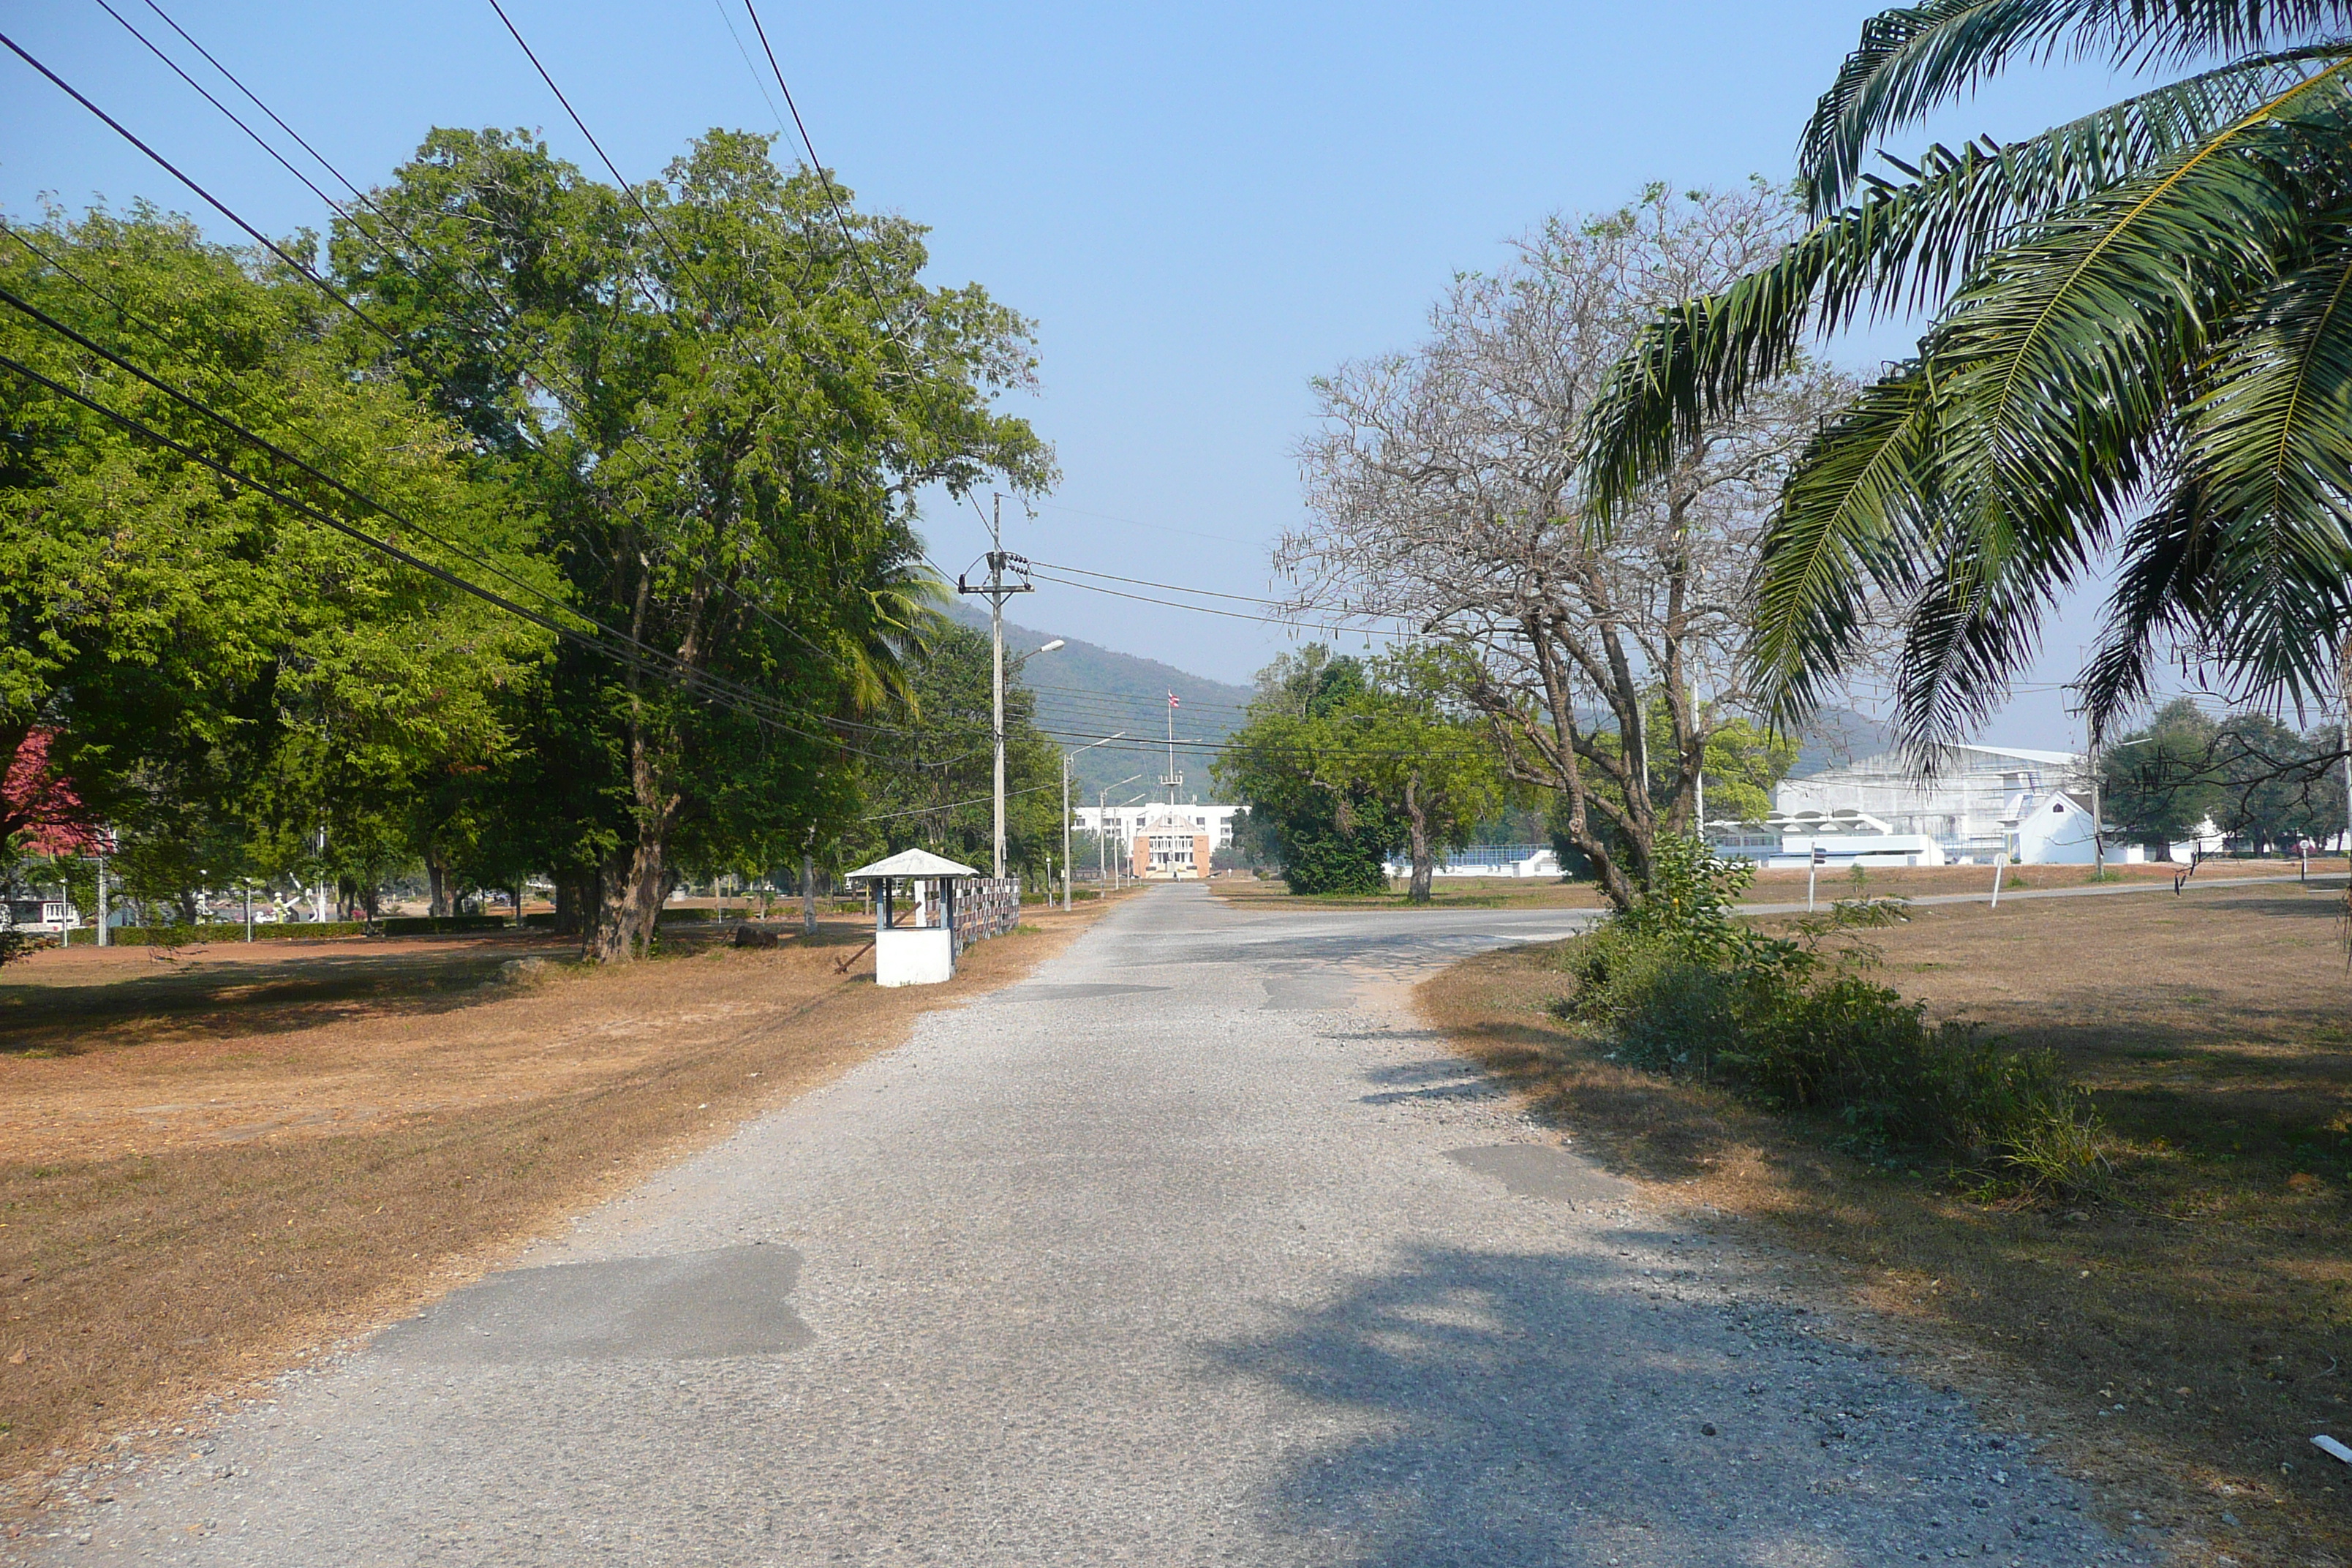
1171, 779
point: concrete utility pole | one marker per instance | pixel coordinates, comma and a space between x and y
2098, 820
996, 589
105, 844
2343, 678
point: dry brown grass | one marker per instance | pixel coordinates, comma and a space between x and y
209, 1166
2209, 1298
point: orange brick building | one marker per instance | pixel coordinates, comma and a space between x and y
1171, 846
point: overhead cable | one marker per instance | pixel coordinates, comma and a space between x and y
215, 203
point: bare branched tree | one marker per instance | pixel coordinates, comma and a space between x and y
1441, 493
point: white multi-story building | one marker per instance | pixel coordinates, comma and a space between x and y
1127, 821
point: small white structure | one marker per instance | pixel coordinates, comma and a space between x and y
2053, 827
40, 917
918, 945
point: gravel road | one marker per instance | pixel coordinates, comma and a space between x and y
1190, 1249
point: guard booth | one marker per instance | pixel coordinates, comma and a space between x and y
927, 910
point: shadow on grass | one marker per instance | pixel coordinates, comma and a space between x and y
223, 992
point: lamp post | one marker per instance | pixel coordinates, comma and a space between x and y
1089, 746
1102, 823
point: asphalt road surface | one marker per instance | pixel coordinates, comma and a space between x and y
1190, 1249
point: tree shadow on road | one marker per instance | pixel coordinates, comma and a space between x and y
1529, 1408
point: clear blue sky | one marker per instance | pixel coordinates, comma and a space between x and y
1201, 207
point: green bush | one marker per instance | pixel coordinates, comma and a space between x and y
1334, 862
439, 925
1678, 985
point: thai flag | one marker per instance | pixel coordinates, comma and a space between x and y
1171, 700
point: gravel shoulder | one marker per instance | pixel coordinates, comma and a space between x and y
1193, 1248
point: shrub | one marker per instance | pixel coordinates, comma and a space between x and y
1679, 986
1333, 862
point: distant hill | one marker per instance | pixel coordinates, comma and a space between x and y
1837, 736
1085, 692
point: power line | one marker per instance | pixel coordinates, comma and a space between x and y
225, 112
720, 5
833, 199
626, 189
956, 804
360, 497
1334, 627
1139, 523
216, 203
1171, 587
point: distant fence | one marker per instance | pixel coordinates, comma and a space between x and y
1489, 856
288, 931
986, 907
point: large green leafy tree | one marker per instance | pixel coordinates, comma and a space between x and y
2140, 350
2156, 785
1295, 761
2247, 775
725, 391
1413, 743
222, 676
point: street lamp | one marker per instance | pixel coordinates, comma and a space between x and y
1102, 823
1089, 746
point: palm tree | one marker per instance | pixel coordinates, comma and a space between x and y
2140, 350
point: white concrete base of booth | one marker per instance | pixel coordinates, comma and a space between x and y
914, 955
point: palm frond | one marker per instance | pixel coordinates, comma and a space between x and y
1901, 247
2250, 555
1973, 628
2067, 349
1854, 514
1913, 59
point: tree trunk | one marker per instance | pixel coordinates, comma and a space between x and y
436, 882
1416, 814
636, 881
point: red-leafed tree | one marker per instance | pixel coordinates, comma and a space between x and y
40, 812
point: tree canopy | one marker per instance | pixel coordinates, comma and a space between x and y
574, 534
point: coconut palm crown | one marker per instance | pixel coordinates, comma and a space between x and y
2140, 352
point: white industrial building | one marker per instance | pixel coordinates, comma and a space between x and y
1981, 802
